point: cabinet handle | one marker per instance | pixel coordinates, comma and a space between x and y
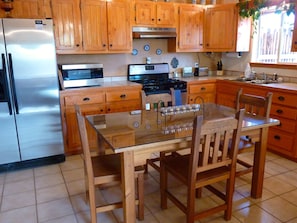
110, 45
153, 19
202, 88
104, 45
159, 20
86, 99
277, 137
279, 111
77, 45
122, 96
281, 98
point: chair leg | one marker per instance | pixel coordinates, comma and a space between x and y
140, 190
229, 197
163, 186
92, 200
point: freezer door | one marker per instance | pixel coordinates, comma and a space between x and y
9, 148
33, 73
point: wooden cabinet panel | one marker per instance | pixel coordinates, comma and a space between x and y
285, 125
67, 25
148, 13
94, 25
280, 142
85, 99
282, 111
190, 29
119, 26
220, 28
201, 92
113, 96
121, 106
284, 99
27, 9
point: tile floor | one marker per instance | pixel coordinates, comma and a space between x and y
55, 194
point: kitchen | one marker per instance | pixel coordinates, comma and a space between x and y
115, 68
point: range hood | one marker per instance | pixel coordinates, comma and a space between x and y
153, 33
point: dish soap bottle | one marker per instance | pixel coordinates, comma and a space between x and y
247, 71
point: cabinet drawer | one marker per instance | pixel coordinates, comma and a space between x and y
122, 106
284, 112
284, 99
285, 125
280, 139
122, 96
202, 88
84, 99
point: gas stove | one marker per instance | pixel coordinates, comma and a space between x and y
154, 78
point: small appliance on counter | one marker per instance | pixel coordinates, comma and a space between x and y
187, 72
80, 75
203, 71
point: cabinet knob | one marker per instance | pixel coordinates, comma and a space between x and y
153, 19
279, 111
203, 88
77, 45
86, 99
277, 137
159, 20
110, 45
122, 96
281, 98
104, 45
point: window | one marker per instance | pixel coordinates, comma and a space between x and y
272, 39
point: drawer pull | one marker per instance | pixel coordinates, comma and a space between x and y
203, 88
86, 99
277, 137
279, 111
123, 96
281, 98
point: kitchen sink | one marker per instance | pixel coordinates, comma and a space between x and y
256, 81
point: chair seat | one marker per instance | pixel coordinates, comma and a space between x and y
179, 166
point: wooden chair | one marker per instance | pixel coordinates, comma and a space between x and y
175, 98
207, 164
104, 170
255, 105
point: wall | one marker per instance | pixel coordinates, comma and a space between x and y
115, 65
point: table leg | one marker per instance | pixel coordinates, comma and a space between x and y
259, 164
128, 186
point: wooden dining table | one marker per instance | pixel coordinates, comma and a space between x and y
138, 134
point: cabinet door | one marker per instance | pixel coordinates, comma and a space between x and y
220, 27
190, 33
145, 13
165, 14
27, 9
294, 41
119, 25
67, 23
94, 25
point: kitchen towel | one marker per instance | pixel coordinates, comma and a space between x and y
178, 97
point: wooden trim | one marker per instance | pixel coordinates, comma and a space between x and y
279, 66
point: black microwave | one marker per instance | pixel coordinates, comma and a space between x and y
81, 75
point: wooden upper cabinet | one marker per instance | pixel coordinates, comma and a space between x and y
119, 26
190, 28
28, 9
148, 13
220, 28
94, 25
294, 41
67, 25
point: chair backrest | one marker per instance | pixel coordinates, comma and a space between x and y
210, 143
84, 143
254, 104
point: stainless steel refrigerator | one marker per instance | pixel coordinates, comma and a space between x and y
30, 123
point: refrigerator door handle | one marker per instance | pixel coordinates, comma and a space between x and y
13, 84
6, 84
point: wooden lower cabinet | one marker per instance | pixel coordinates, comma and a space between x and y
93, 101
282, 138
201, 91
